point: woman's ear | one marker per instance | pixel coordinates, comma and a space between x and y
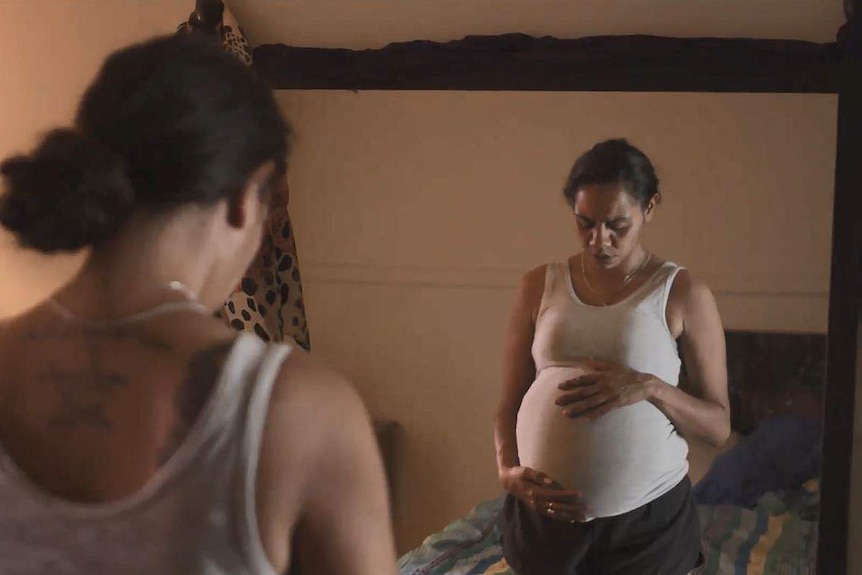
246, 204
651, 206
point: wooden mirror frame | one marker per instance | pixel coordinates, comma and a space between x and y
516, 62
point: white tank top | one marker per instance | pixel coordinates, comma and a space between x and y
633, 454
196, 516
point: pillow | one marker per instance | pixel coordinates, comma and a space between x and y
781, 454
701, 455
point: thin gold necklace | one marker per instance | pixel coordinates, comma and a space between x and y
626, 280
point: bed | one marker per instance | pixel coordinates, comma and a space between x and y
771, 538
758, 497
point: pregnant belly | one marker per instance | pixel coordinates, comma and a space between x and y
619, 462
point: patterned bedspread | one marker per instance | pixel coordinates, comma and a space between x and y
777, 537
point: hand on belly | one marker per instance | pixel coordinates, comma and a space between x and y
548, 440
542, 494
598, 458
606, 387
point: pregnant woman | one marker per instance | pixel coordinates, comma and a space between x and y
591, 425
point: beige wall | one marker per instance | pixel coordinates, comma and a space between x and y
372, 23
49, 52
416, 212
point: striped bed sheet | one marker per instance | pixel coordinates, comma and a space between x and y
777, 537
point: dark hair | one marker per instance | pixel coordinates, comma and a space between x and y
170, 121
614, 162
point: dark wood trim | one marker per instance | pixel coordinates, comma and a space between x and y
517, 62
845, 302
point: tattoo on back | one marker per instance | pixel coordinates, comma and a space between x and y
84, 391
204, 370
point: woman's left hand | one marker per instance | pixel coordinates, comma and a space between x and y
610, 387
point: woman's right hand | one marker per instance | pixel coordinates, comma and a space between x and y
541, 493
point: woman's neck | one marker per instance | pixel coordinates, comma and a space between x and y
131, 271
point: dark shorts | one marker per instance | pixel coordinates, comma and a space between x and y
660, 538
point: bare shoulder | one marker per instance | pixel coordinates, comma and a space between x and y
690, 292
10, 326
314, 411
691, 305
15, 332
534, 279
531, 289
311, 394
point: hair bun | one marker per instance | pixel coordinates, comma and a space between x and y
70, 193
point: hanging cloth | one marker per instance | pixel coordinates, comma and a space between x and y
269, 301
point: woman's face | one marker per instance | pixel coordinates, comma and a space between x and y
609, 222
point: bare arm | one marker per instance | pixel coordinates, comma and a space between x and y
705, 411
321, 481
519, 371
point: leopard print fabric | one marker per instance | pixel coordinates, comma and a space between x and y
268, 301
236, 43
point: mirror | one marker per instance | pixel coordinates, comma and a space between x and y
417, 212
